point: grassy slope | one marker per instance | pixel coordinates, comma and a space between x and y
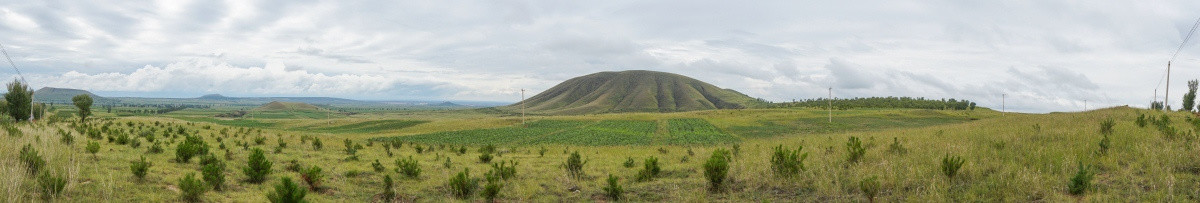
1007, 160
632, 91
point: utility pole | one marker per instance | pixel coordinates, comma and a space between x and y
1002, 107
1167, 94
1084, 105
522, 107
830, 105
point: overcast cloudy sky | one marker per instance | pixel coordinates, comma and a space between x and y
1046, 55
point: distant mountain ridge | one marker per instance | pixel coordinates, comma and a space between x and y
633, 91
64, 96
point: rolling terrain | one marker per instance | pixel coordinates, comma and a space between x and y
632, 91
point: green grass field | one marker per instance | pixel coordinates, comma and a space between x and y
1009, 158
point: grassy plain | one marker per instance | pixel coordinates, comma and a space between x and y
1011, 157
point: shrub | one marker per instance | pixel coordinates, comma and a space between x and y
650, 169
787, 163
66, 137
1082, 180
419, 148
492, 189
855, 150
316, 144
312, 176
135, 143
378, 166
951, 165
287, 192
155, 148
387, 149
542, 152
260, 140
93, 147
487, 149
1141, 120
19, 99
613, 190
257, 166
716, 169
51, 185
896, 147
870, 187
628, 162
139, 168
1105, 143
485, 158
461, 150
388, 193
214, 174
293, 165
574, 165
190, 147
447, 163
409, 167
462, 185
192, 188
33, 161
1106, 126
505, 170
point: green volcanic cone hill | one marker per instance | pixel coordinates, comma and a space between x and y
633, 91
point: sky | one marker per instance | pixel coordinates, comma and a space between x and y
1044, 55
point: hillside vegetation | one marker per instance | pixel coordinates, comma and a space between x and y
632, 91
1015, 157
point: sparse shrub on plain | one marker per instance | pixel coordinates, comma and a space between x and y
190, 147
485, 158
951, 165
65, 137
447, 163
896, 147
388, 193
613, 190
1082, 181
409, 167
139, 168
870, 187
51, 185
287, 191
313, 176
32, 160
1141, 121
378, 166
650, 169
788, 163
462, 185
257, 167
214, 174
191, 188
716, 169
1106, 126
628, 162
505, 170
316, 144
574, 165
93, 147
1105, 143
492, 188
854, 150
293, 165
542, 152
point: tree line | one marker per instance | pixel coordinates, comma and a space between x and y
885, 102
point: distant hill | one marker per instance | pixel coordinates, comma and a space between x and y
64, 95
287, 106
633, 91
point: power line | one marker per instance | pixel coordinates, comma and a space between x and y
14, 66
1186, 39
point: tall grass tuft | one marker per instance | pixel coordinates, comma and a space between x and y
870, 187
33, 162
52, 185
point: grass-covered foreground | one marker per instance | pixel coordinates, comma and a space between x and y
785, 155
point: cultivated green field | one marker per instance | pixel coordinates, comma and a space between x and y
1008, 158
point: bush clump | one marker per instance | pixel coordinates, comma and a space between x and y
1082, 180
716, 169
33, 161
574, 165
139, 168
1106, 126
787, 163
214, 173
191, 188
388, 193
191, 146
93, 147
613, 190
312, 176
505, 171
462, 185
650, 169
51, 184
491, 189
257, 166
287, 192
628, 162
870, 187
951, 165
855, 150
409, 167
378, 166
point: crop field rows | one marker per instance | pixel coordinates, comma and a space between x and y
683, 131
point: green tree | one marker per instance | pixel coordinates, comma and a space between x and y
257, 166
84, 103
20, 100
1189, 99
287, 191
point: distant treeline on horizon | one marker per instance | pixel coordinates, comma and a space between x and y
885, 102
